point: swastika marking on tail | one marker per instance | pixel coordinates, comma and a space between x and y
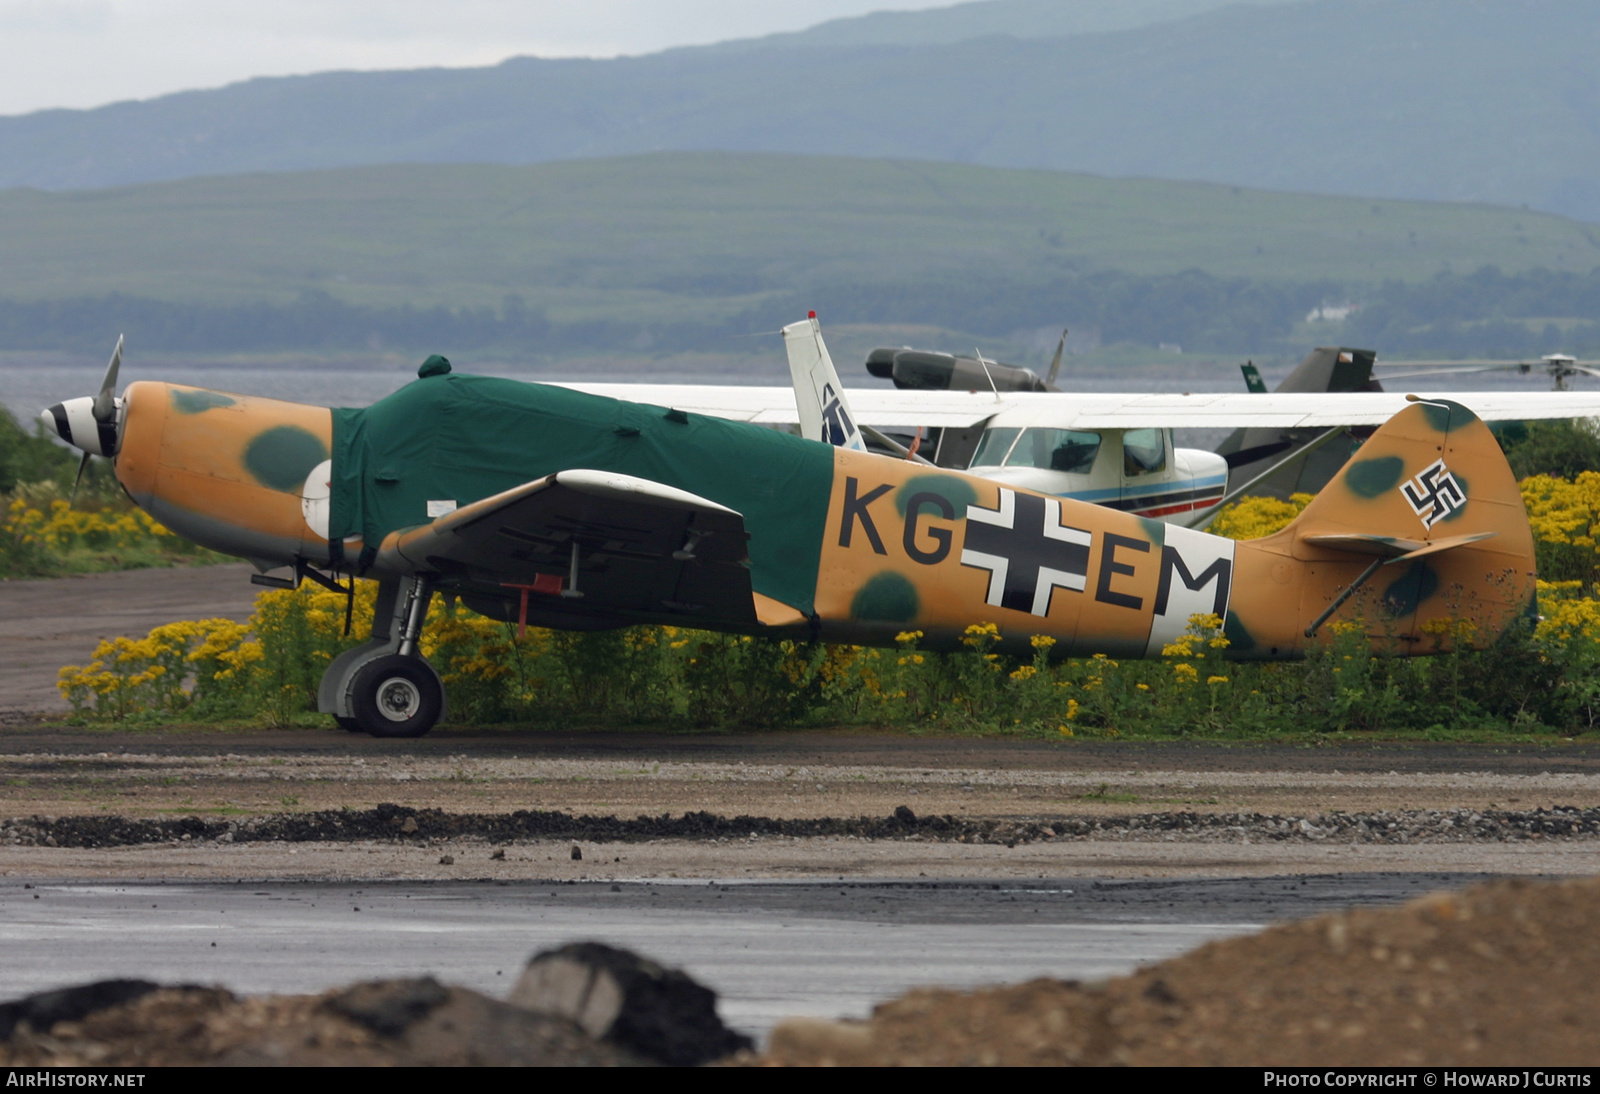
1434, 494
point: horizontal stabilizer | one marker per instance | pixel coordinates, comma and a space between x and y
1395, 548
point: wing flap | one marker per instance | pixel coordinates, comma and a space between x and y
612, 547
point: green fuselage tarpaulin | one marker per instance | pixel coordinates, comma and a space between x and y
464, 438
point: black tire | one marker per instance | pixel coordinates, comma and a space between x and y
349, 725
396, 696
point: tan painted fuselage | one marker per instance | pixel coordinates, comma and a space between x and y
227, 471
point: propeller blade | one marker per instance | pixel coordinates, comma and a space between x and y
83, 465
1585, 369
105, 403
1055, 362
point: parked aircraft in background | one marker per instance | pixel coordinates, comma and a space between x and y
919, 370
1267, 456
545, 505
1117, 449
1137, 470
1560, 367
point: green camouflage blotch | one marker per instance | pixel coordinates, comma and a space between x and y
283, 456
1458, 510
1155, 529
1445, 415
1410, 589
887, 598
958, 492
1370, 478
196, 402
1438, 415
1239, 638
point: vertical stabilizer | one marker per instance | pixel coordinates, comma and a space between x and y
818, 394
1422, 537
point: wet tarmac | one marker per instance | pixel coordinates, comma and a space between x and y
771, 949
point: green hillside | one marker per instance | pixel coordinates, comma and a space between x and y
699, 235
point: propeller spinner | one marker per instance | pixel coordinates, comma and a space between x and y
90, 422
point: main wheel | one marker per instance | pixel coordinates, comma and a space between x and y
396, 696
349, 725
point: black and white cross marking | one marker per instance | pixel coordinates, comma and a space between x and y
1434, 494
1028, 552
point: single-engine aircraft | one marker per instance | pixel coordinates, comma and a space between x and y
550, 506
1186, 490
1136, 466
1152, 477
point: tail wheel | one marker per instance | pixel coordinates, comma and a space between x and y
396, 696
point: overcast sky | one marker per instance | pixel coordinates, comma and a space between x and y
88, 52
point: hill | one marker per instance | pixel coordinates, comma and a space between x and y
986, 18
686, 250
1460, 100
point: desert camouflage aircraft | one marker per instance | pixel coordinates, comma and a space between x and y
544, 505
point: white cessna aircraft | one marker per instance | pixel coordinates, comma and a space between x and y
1111, 449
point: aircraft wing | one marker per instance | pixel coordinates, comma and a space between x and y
882, 408
776, 405
1275, 410
591, 543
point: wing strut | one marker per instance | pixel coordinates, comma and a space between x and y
1205, 515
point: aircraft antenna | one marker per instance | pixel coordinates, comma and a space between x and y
987, 374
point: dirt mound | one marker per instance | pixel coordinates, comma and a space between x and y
398, 822
1504, 974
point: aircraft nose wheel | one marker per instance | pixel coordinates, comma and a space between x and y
396, 696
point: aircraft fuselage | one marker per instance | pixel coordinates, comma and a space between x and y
903, 547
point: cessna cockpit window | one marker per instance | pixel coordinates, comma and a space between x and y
1143, 451
1048, 449
1056, 450
994, 446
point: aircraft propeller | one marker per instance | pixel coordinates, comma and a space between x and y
89, 423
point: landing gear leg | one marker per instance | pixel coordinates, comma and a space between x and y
384, 687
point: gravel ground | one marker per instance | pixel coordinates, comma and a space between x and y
298, 802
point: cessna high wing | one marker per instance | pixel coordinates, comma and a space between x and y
1109, 449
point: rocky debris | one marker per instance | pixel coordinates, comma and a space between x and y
620, 997
46, 1008
392, 1022
402, 823
1499, 975
583, 1005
